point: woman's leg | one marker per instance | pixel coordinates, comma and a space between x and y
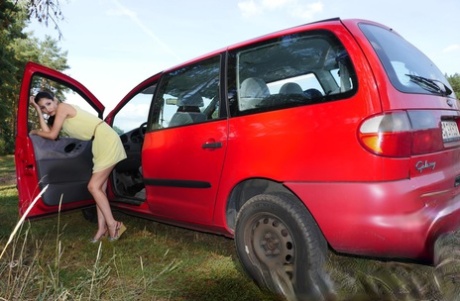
97, 187
102, 229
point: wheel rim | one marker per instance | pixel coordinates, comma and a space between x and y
273, 251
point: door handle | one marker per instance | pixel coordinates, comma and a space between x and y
212, 145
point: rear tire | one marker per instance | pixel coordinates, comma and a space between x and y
280, 246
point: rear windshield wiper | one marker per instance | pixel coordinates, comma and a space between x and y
432, 85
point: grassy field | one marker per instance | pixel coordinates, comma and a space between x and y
52, 259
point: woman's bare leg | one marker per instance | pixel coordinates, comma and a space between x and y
97, 187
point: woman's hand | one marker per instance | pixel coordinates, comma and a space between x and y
33, 103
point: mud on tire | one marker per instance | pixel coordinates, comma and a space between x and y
280, 246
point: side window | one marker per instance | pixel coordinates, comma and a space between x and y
187, 96
289, 71
62, 92
135, 112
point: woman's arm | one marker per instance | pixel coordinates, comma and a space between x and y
62, 112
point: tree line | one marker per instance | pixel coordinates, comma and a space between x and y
17, 47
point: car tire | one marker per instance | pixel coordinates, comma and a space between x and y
281, 247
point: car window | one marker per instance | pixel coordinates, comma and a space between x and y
187, 96
292, 70
406, 66
62, 92
135, 112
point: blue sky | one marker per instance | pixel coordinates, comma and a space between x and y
115, 44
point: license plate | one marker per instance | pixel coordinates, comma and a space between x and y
450, 131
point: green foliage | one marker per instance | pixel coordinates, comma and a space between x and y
454, 81
9, 30
16, 49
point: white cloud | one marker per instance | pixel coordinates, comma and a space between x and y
295, 8
249, 8
452, 48
306, 11
274, 4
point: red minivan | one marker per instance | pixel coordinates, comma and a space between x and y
337, 134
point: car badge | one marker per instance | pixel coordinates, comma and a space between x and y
421, 166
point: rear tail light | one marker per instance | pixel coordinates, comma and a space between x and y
402, 134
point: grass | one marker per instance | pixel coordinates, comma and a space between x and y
52, 259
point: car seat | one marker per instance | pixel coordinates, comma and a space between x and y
291, 88
252, 91
312, 93
188, 111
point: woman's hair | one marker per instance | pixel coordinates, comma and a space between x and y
43, 94
48, 95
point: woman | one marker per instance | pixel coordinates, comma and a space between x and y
107, 150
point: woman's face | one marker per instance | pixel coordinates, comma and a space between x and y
47, 106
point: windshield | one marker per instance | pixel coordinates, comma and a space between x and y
407, 67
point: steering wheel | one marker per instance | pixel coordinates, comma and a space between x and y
142, 128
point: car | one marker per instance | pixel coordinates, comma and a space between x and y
334, 135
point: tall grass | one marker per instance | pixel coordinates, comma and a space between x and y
52, 259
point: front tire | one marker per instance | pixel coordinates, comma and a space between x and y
280, 246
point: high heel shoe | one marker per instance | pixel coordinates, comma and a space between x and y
98, 239
119, 230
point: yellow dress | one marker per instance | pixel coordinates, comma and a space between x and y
107, 147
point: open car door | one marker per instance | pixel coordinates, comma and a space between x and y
65, 165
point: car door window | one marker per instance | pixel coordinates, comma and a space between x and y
130, 123
188, 96
135, 112
62, 92
290, 71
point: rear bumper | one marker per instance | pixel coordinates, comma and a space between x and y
400, 219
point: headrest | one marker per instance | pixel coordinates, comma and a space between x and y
313, 93
191, 99
254, 87
291, 88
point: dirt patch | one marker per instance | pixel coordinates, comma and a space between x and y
8, 179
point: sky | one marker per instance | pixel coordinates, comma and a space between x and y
113, 45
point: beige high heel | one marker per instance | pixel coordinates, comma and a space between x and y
119, 230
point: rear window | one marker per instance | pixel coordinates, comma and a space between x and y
292, 70
408, 69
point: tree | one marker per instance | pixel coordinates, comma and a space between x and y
18, 47
10, 29
43, 11
454, 81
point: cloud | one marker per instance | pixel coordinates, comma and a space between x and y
294, 8
249, 8
275, 4
306, 11
452, 48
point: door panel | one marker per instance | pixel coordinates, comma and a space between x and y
181, 173
64, 164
